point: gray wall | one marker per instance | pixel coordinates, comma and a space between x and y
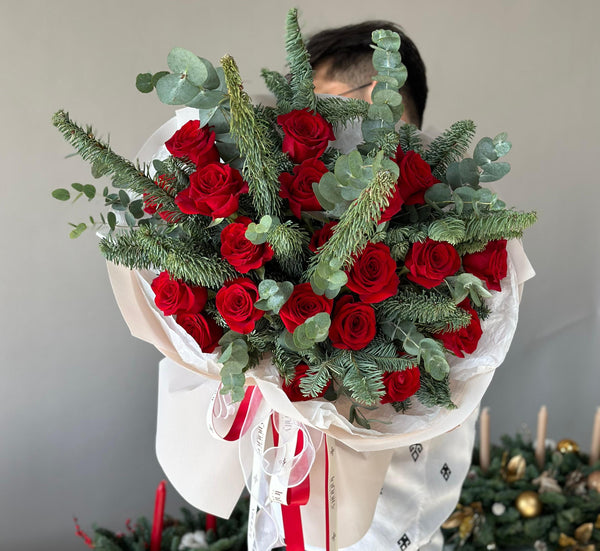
77, 399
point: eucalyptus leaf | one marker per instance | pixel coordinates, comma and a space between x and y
381, 112
388, 97
89, 191
485, 152
123, 198
79, 229
494, 171
438, 193
77, 187
175, 90
112, 220
157, 76
136, 208
206, 99
143, 83
197, 70
61, 194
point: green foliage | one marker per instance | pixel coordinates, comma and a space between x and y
429, 307
280, 88
356, 226
505, 224
303, 95
340, 111
467, 285
563, 509
386, 107
235, 359
410, 138
273, 295
149, 247
449, 147
255, 144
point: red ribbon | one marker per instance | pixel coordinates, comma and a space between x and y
296, 496
326, 492
243, 416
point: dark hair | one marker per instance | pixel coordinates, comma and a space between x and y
347, 53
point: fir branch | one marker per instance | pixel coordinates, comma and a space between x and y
357, 224
124, 173
410, 138
339, 111
289, 243
316, 379
147, 248
254, 143
388, 142
385, 355
363, 379
400, 238
434, 393
424, 307
299, 62
503, 224
285, 361
280, 88
449, 146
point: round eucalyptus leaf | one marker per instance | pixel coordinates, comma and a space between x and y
143, 82
387, 39
206, 99
175, 90
381, 112
136, 208
187, 63
485, 152
469, 172
494, 171
388, 97
123, 197
61, 194
438, 193
78, 230
157, 76
437, 366
384, 60
89, 191
267, 288
111, 218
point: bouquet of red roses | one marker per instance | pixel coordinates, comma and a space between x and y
356, 273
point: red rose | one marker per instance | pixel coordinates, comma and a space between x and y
353, 325
235, 302
466, 338
303, 304
203, 330
238, 251
489, 264
173, 296
306, 134
400, 385
430, 262
395, 203
415, 177
214, 191
373, 275
195, 143
320, 237
297, 188
293, 389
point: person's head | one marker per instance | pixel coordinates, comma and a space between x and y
342, 64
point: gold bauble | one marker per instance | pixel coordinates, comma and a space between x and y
567, 446
593, 481
515, 469
528, 504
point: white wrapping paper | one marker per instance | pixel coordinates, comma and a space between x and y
414, 501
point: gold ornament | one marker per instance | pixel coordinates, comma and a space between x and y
593, 481
513, 470
529, 504
580, 542
567, 446
464, 518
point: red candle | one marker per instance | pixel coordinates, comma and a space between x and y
159, 513
211, 522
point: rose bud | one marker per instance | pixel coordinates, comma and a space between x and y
241, 253
203, 330
464, 340
430, 262
353, 325
195, 143
489, 265
173, 296
373, 275
303, 304
400, 385
297, 188
306, 134
235, 302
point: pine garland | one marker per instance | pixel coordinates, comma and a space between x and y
146, 248
449, 146
434, 393
299, 61
255, 145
